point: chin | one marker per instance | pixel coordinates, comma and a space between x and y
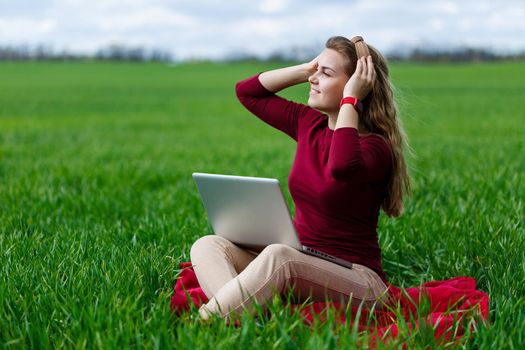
313, 104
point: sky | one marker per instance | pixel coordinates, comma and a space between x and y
215, 29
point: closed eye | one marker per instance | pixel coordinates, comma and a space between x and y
325, 69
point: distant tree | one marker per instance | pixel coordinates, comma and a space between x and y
121, 52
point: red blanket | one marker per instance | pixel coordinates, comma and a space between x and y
446, 306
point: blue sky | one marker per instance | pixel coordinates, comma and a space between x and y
212, 29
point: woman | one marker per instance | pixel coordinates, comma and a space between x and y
349, 163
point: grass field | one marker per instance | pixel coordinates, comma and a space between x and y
98, 207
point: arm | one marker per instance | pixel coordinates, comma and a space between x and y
351, 159
358, 160
359, 85
279, 79
257, 94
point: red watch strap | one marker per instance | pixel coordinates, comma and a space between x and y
349, 99
354, 102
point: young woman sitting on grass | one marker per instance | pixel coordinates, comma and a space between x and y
349, 163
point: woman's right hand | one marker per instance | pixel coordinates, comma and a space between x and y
281, 78
311, 67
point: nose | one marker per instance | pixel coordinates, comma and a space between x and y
313, 78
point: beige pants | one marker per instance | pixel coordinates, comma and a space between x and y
232, 277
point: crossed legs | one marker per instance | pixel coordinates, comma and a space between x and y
233, 278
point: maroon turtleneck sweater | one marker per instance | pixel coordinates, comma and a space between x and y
338, 178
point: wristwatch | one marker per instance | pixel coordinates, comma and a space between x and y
358, 105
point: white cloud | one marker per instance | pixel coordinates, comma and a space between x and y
273, 6
441, 7
21, 29
211, 28
151, 17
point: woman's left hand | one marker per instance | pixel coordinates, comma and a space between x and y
362, 81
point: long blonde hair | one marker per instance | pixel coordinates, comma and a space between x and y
380, 116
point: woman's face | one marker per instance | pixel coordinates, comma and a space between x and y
327, 84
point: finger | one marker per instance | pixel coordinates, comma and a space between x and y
364, 67
315, 62
358, 67
371, 69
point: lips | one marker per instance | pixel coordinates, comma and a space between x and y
314, 91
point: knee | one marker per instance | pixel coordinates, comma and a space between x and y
204, 244
279, 249
280, 253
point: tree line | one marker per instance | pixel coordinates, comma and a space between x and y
114, 52
123, 53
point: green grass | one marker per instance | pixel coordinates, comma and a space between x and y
98, 206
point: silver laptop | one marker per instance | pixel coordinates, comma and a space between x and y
251, 212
